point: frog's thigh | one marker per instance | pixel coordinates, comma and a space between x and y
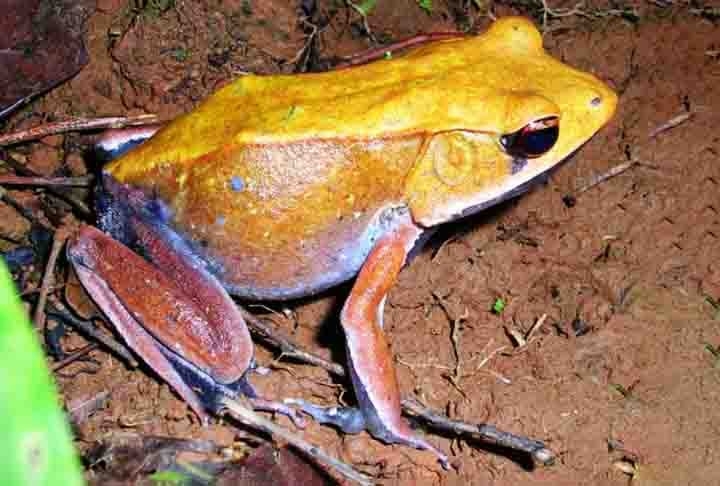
371, 363
86, 255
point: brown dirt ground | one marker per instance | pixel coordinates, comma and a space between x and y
634, 263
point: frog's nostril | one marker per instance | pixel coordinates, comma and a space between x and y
595, 102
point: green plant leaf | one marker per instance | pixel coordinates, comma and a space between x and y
498, 306
365, 7
35, 443
425, 5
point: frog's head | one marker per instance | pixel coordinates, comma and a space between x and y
522, 113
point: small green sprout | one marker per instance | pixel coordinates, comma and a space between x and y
617, 387
715, 305
425, 5
290, 112
715, 352
498, 306
363, 8
168, 478
180, 54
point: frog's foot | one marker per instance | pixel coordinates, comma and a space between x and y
262, 405
348, 419
211, 393
352, 420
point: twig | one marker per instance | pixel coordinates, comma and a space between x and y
488, 433
380, 52
73, 125
242, 412
58, 311
25, 212
487, 358
261, 330
455, 336
7, 179
74, 356
516, 336
82, 408
578, 9
363, 12
301, 58
614, 171
22, 169
61, 234
523, 340
538, 324
671, 123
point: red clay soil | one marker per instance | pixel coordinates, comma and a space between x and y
623, 368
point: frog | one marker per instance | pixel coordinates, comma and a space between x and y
280, 187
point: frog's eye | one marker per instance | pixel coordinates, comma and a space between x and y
534, 139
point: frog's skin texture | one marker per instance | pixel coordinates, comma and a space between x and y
282, 186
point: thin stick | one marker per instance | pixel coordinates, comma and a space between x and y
538, 324
26, 213
381, 52
58, 311
61, 234
410, 407
75, 124
614, 171
671, 123
288, 348
8, 179
484, 432
242, 412
22, 169
74, 356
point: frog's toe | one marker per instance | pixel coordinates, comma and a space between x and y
348, 419
277, 407
418, 443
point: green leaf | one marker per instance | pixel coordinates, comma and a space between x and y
35, 443
169, 478
364, 8
498, 306
425, 5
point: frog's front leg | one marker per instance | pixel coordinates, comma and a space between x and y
371, 363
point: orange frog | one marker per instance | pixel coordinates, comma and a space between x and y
279, 187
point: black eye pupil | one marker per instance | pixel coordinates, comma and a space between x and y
534, 139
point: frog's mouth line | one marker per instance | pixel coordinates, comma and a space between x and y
518, 164
519, 190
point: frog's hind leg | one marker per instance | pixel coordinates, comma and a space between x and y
371, 364
98, 260
185, 325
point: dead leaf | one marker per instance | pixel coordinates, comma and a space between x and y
281, 467
41, 46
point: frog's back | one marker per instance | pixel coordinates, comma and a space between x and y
387, 98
